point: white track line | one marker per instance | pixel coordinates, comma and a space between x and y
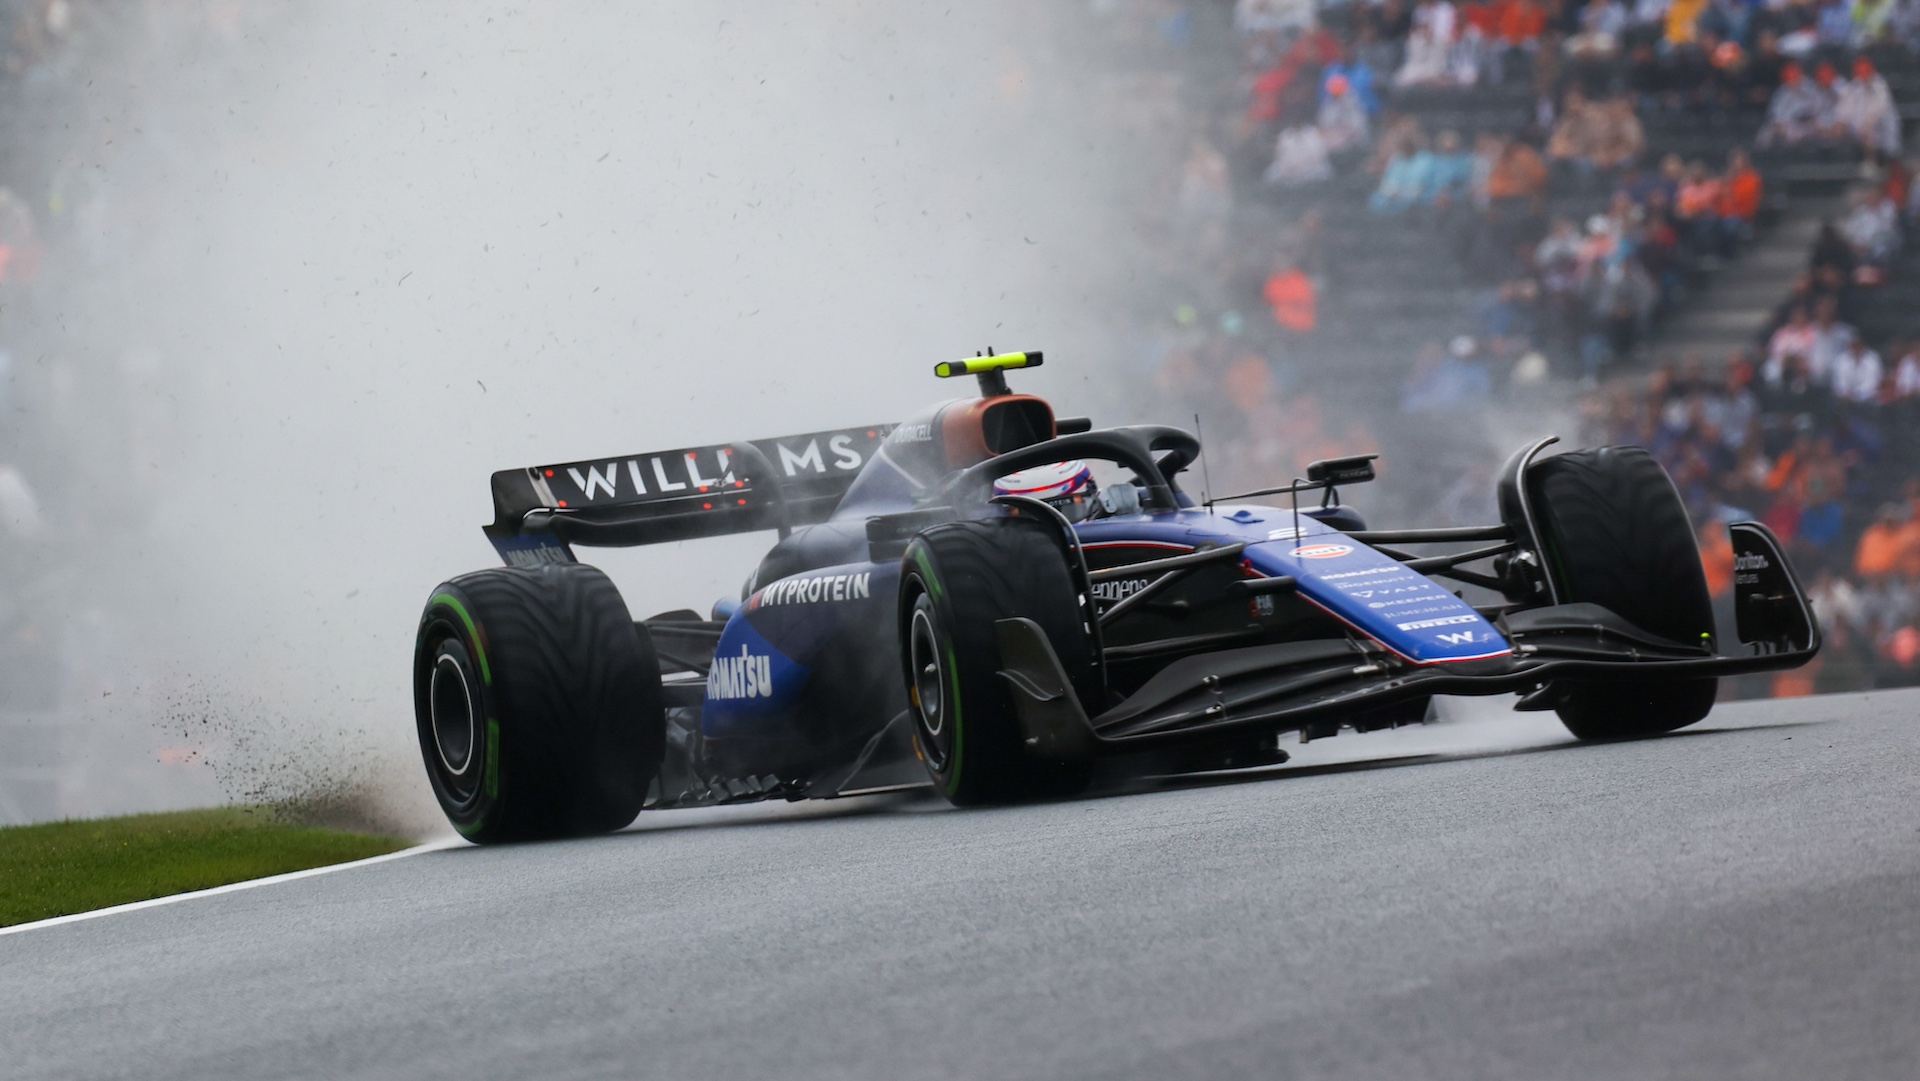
231, 887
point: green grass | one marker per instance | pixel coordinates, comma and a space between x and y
63, 867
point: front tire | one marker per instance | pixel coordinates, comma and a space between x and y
957, 581
538, 705
1616, 534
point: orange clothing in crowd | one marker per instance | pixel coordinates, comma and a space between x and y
1522, 21
1697, 198
1786, 471
1316, 49
1683, 21
1716, 558
1740, 195
1290, 295
1519, 174
1483, 16
1886, 548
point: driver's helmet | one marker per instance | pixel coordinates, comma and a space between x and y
1067, 486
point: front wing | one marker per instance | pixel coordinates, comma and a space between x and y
1294, 685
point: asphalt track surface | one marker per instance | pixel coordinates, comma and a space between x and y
1482, 899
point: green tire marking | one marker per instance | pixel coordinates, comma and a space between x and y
473, 632
926, 574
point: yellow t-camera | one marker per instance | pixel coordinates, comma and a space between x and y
993, 382
982, 365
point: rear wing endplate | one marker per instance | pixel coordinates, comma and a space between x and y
685, 494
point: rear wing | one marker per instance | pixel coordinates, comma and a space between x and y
676, 495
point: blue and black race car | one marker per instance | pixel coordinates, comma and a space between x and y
1000, 602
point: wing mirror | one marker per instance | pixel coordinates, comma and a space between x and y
1335, 471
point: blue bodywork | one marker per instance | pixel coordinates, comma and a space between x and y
1211, 629
1208, 631
1373, 594
807, 666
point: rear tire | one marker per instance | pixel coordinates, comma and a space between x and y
537, 702
1616, 534
957, 581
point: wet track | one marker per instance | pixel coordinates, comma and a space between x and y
1480, 899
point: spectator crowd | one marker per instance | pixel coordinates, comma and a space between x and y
1816, 432
1585, 289
1581, 170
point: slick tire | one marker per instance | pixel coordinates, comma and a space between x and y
957, 580
538, 704
1616, 534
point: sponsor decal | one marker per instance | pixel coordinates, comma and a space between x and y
750, 675
1458, 638
1402, 601
1427, 609
750, 680
656, 475
912, 433
1322, 551
1446, 621
1284, 533
1423, 587
814, 590
1118, 589
1746, 568
703, 471
532, 551
1424, 610
1400, 572
808, 459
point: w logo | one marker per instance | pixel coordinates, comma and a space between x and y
1462, 638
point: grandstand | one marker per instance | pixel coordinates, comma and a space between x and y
1629, 293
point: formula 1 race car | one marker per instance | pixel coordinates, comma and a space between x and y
959, 600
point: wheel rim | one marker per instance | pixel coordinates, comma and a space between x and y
925, 657
452, 718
